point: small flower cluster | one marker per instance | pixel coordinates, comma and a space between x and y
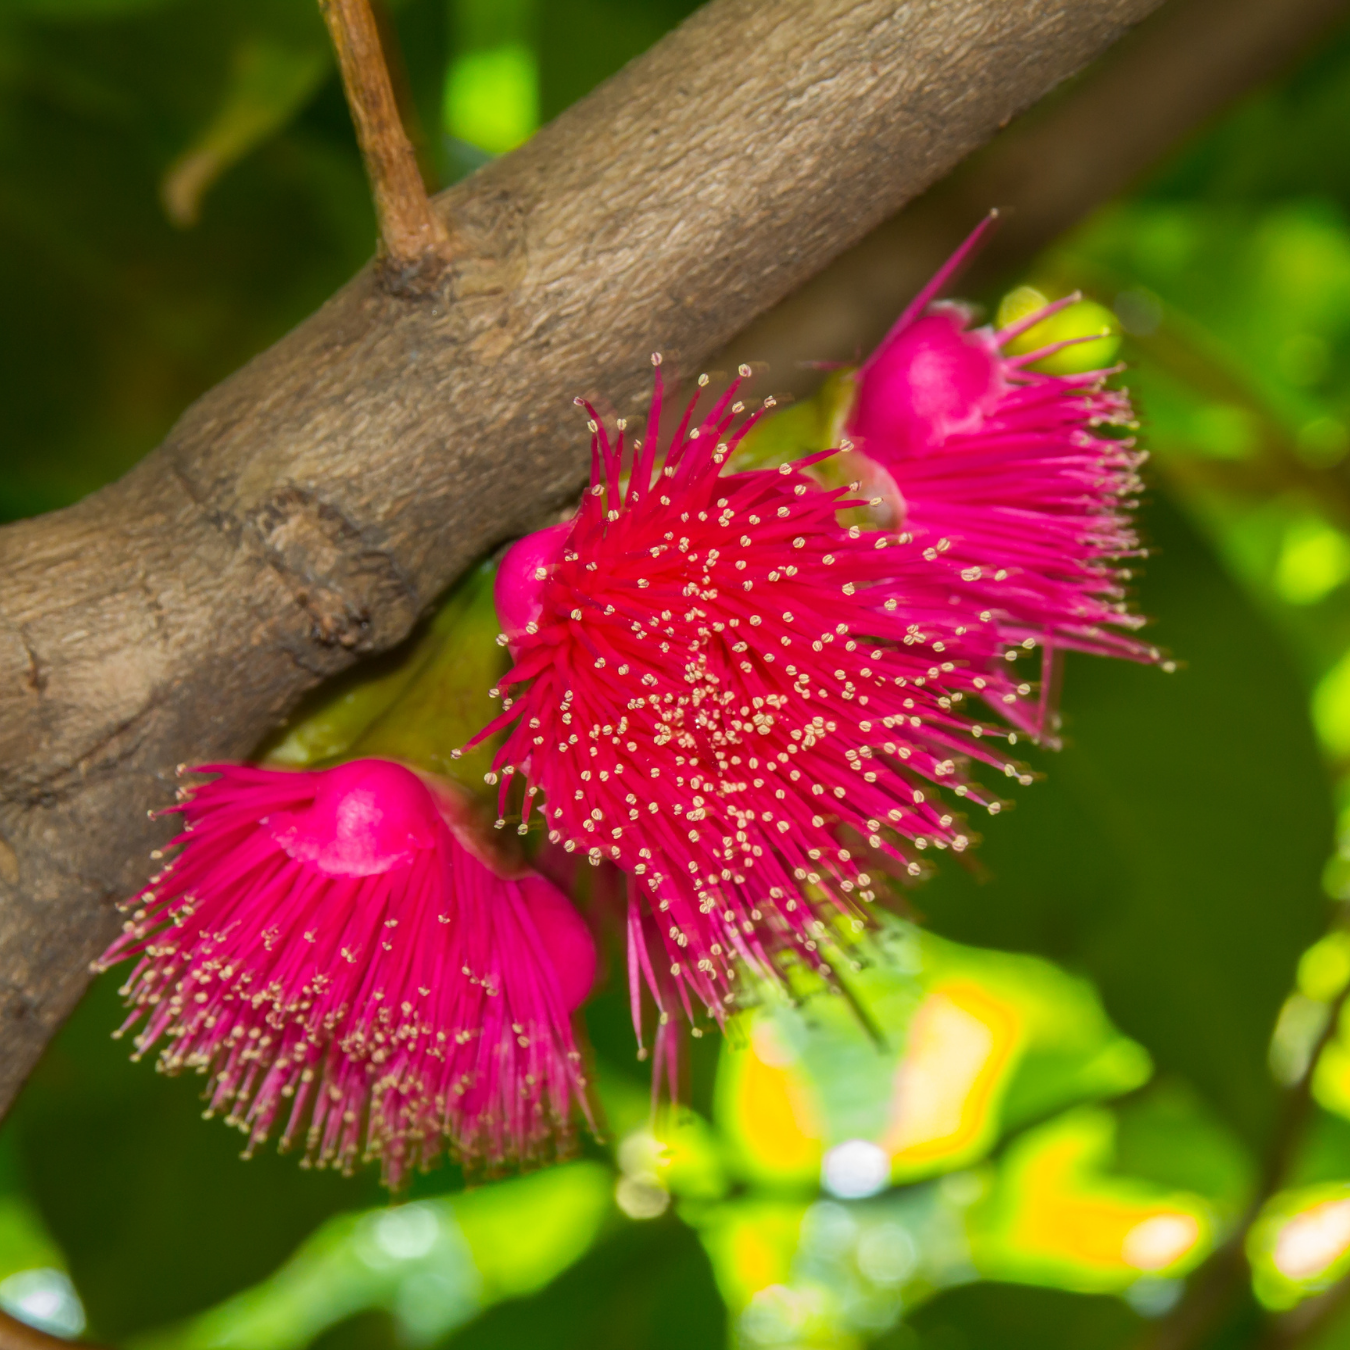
751, 706
753, 692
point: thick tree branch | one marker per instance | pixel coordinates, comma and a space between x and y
1045, 173
307, 510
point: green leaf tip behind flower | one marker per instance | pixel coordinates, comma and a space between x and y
417, 705
800, 428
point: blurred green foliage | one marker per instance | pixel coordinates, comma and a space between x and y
1074, 1085
430, 1264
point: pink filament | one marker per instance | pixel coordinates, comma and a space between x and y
325, 948
741, 701
1010, 466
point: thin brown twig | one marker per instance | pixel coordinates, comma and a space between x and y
1214, 1287
416, 242
1305, 1324
404, 98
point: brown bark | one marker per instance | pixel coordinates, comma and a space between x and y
1045, 173
307, 510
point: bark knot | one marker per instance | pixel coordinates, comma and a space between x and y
342, 575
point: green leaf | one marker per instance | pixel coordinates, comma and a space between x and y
643, 1285
834, 1274
751, 1244
269, 83
433, 1264
419, 705
937, 1051
1167, 1135
1057, 1214
1299, 1245
522, 1233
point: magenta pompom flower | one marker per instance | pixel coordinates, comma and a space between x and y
743, 702
332, 946
1005, 471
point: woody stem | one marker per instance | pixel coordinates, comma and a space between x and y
414, 237
1216, 1286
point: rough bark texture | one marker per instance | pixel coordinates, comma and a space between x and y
308, 510
1088, 143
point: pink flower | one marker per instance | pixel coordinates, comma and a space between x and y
1005, 471
333, 945
743, 702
